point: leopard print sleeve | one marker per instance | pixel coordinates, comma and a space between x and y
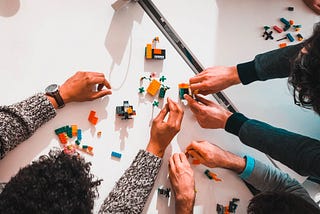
131, 192
19, 121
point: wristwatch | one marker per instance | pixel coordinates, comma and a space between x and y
53, 91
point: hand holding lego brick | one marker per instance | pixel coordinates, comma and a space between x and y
313, 5
208, 113
162, 132
213, 156
214, 79
84, 86
182, 181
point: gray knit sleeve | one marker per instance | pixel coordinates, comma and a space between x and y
19, 121
131, 192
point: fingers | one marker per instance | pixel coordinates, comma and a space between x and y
204, 100
194, 105
162, 114
176, 113
178, 162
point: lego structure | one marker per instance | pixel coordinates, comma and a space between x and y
154, 86
151, 52
67, 132
125, 111
183, 89
164, 191
231, 208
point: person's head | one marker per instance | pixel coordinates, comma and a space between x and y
56, 183
280, 203
305, 73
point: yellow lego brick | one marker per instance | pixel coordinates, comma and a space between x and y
74, 129
153, 87
148, 51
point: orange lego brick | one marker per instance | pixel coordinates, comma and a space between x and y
148, 51
195, 162
282, 45
153, 87
63, 138
157, 51
183, 85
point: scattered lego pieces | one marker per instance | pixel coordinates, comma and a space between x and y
151, 52
79, 134
290, 37
282, 45
115, 154
291, 8
69, 149
276, 28
125, 111
92, 117
155, 103
231, 208
212, 175
164, 191
141, 90
300, 38
267, 35
281, 39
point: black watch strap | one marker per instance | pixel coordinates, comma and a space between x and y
58, 99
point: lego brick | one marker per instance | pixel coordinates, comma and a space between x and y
148, 51
276, 28
290, 37
153, 87
116, 154
282, 45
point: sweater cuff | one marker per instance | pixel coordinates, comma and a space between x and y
247, 72
250, 162
235, 122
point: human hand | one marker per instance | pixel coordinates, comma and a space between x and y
162, 132
182, 181
213, 156
214, 79
84, 86
208, 113
314, 5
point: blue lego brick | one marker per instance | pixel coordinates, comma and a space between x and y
116, 154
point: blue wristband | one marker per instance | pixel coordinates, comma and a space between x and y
249, 167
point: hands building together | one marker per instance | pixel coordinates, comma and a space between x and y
300, 63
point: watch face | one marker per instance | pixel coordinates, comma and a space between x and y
52, 88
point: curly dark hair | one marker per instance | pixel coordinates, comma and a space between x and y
280, 203
305, 73
55, 183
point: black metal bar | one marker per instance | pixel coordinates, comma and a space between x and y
181, 47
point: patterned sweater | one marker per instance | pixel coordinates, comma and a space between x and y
19, 121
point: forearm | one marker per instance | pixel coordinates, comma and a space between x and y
133, 188
269, 65
19, 121
268, 178
184, 207
299, 152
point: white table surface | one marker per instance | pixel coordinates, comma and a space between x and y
46, 41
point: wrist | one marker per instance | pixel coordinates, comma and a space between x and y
52, 101
153, 148
234, 162
226, 116
235, 75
